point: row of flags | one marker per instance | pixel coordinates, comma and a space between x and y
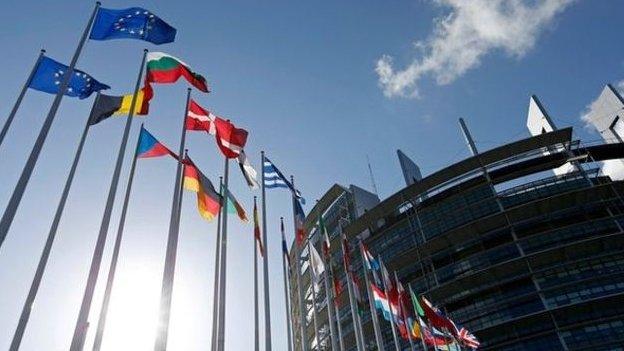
424, 321
54, 77
412, 317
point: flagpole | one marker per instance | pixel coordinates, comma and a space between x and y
330, 306
255, 258
313, 286
265, 267
45, 255
386, 279
223, 265
407, 327
302, 306
18, 191
82, 324
286, 285
337, 310
371, 303
18, 102
322, 230
360, 330
215, 294
113, 265
359, 345
162, 331
422, 333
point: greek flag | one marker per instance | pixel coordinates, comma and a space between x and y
273, 178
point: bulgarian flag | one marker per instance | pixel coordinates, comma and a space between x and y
164, 68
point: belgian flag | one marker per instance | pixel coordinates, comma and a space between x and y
208, 200
107, 105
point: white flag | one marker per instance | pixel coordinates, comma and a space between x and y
316, 263
249, 172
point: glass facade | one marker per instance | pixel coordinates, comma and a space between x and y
537, 265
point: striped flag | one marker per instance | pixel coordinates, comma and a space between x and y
208, 200
257, 228
273, 178
284, 245
299, 223
326, 241
233, 206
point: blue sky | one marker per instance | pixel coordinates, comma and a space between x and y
305, 79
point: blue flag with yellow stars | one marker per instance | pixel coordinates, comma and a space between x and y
49, 76
132, 23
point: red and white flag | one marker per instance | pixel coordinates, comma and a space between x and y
197, 118
231, 140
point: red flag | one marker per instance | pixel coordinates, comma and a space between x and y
257, 228
231, 140
197, 118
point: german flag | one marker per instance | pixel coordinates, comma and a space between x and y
208, 200
106, 105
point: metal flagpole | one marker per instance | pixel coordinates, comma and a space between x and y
162, 331
302, 305
337, 310
45, 255
18, 102
328, 294
402, 305
265, 267
386, 279
330, 305
317, 334
223, 269
354, 312
255, 257
286, 286
422, 333
97, 344
360, 329
18, 192
371, 303
215, 294
82, 324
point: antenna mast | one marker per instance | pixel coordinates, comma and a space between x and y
370, 171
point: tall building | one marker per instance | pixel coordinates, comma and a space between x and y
339, 207
524, 259
411, 171
540, 122
607, 115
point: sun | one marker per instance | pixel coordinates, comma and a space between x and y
133, 310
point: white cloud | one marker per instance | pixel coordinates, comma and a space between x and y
459, 40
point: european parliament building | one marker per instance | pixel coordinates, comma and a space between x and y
521, 244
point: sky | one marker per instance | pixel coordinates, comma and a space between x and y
319, 85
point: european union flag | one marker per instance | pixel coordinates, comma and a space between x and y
132, 23
49, 76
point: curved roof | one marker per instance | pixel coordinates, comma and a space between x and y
460, 170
